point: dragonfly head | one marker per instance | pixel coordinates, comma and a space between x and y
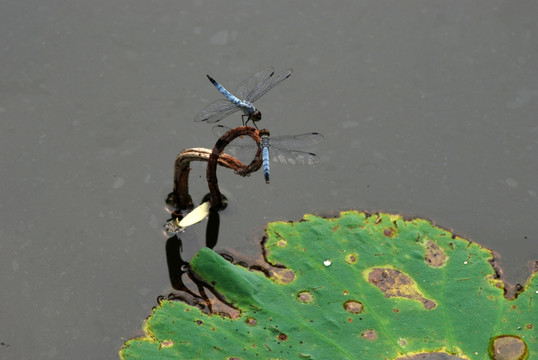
256, 115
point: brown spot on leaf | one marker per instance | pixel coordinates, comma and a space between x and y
305, 297
394, 283
166, 344
508, 347
352, 258
353, 306
389, 232
282, 275
282, 337
428, 304
251, 321
281, 243
435, 256
369, 334
437, 355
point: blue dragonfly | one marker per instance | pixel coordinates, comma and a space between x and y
247, 92
279, 149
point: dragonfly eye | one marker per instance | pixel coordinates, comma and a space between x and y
256, 116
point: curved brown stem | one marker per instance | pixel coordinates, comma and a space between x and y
180, 197
216, 154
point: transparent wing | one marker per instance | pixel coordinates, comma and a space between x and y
247, 86
267, 84
245, 145
216, 111
295, 141
220, 130
280, 142
292, 157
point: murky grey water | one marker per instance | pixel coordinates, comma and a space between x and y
428, 110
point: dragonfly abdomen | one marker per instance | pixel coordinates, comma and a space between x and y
246, 106
265, 157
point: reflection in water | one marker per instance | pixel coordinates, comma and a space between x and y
212, 229
177, 267
175, 263
189, 288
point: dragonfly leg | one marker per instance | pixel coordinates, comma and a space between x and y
249, 118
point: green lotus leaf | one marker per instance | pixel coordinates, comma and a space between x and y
358, 286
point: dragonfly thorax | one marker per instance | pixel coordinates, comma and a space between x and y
264, 133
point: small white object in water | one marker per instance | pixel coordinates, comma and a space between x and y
195, 216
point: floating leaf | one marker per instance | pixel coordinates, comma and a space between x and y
353, 287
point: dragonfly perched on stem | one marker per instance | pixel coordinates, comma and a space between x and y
279, 149
247, 92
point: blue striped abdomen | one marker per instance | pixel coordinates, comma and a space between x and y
265, 157
246, 106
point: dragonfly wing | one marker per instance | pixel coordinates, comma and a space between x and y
220, 130
242, 151
240, 147
294, 141
267, 84
216, 111
292, 157
248, 85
